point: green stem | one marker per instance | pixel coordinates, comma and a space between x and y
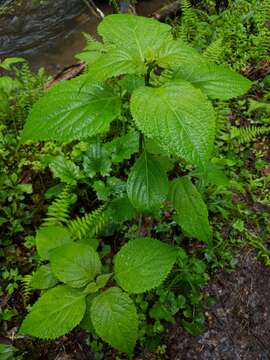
141, 140
147, 83
148, 74
141, 143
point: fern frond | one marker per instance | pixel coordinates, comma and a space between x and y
188, 21
214, 51
263, 43
187, 11
248, 134
31, 89
88, 225
222, 114
26, 287
263, 38
264, 13
58, 211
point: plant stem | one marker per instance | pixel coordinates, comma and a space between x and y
141, 140
147, 75
141, 143
147, 83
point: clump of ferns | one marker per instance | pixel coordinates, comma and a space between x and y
31, 88
189, 19
58, 213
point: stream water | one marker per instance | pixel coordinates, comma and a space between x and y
48, 32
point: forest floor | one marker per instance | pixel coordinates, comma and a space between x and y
237, 326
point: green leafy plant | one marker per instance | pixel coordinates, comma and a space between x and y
152, 90
82, 297
238, 35
19, 89
7, 352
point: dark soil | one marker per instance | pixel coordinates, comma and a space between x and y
238, 326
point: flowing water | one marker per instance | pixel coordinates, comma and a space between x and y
48, 32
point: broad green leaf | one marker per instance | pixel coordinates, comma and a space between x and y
75, 264
7, 84
88, 56
147, 184
166, 162
96, 161
152, 147
92, 50
175, 53
121, 148
43, 278
65, 170
118, 186
94, 243
91, 288
102, 190
216, 81
73, 109
212, 174
113, 187
8, 62
131, 82
4, 104
100, 282
25, 188
191, 211
51, 237
179, 117
115, 62
115, 320
138, 35
7, 352
161, 312
55, 313
142, 264
120, 210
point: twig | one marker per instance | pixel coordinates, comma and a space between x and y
94, 9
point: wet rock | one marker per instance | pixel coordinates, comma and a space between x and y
27, 25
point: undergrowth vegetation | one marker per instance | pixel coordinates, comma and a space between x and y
124, 190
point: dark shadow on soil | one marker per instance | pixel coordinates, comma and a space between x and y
238, 326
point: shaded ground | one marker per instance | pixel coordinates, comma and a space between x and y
239, 324
237, 328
